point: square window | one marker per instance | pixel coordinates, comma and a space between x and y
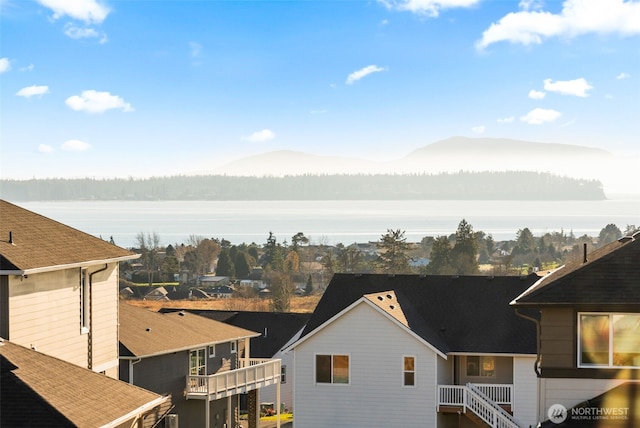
332, 369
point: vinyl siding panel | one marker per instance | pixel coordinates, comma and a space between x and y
45, 313
376, 347
557, 338
105, 316
525, 390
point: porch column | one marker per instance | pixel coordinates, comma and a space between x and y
230, 423
247, 353
278, 404
207, 405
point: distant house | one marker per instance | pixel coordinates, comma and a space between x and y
205, 364
209, 281
43, 391
409, 350
277, 331
220, 292
59, 321
589, 338
157, 293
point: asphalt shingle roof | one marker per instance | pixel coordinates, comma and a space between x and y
280, 327
610, 276
454, 314
31, 241
145, 333
39, 390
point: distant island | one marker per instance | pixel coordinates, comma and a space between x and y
505, 185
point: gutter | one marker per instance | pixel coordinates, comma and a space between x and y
22, 272
90, 337
536, 364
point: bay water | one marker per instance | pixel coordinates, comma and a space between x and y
332, 222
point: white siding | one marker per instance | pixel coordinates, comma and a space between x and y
525, 390
375, 395
44, 312
268, 394
570, 392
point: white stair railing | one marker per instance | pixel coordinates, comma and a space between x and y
487, 410
473, 397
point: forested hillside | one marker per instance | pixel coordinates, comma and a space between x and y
516, 185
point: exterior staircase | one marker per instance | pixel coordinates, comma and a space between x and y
477, 405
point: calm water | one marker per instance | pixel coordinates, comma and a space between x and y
332, 222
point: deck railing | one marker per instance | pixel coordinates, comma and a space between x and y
483, 400
254, 374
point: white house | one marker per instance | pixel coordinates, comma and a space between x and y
410, 350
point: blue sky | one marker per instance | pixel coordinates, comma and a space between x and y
126, 88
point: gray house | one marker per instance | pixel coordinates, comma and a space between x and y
588, 362
204, 364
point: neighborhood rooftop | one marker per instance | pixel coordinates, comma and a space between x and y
144, 332
30, 242
453, 313
37, 387
606, 276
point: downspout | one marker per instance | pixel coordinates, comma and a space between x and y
90, 336
536, 365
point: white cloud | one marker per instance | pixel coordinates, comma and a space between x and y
29, 67
45, 148
75, 146
509, 119
623, 76
478, 129
531, 4
5, 65
576, 18
261, 136
363, 72
539, 116
33, 90
536, 95
89, 11
97, 102
76, 32
577, 87
429, 8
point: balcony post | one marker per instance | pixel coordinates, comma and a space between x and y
247, 353
278, 405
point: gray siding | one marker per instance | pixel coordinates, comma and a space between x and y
503, 372
557, 338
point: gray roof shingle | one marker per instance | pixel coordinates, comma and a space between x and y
610, 276
454, 314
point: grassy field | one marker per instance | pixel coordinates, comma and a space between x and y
298, 304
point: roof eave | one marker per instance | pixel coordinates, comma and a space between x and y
185, 348
43, 269
134, 413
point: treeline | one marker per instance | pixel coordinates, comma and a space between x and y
509, 185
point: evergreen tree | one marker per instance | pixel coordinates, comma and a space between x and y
440, 259
225, 265
308, 289
243, 263
464, 255
393, 256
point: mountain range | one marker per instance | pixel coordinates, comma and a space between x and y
450, 155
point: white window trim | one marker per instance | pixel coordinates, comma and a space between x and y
331, 354
415, 377
233, 347
204, 360
579, 346
212, 351
479, 375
